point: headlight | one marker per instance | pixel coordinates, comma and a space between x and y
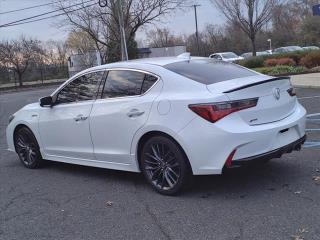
11, 118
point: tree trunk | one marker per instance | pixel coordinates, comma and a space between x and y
254, 49
20, 79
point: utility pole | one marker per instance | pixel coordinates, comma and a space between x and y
123, 42
196, 20
270, 44
124, 50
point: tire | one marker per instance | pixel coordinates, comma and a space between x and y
165, 165
27, 148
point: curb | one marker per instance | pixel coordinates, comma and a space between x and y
306, 86
28, 87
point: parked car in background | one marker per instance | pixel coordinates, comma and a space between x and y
226, 56
310, 48
166, 117
249, 54
287, 49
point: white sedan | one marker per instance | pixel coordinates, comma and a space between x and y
167, 117
226, 57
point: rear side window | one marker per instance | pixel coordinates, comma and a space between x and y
123, 83
148, 82
209, 71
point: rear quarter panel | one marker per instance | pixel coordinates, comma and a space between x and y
170, 113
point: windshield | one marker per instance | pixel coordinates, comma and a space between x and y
209, 71
229, 55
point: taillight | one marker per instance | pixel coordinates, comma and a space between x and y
213, 112
292, 92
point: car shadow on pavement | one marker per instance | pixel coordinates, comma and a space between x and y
238, 182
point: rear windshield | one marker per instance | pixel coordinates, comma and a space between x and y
209, 71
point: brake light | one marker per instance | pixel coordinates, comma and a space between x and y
213, 112
292, 92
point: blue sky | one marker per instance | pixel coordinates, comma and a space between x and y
179, 22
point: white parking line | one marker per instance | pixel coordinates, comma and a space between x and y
309, 97
310, 144
313, 115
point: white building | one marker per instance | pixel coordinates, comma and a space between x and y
161, 52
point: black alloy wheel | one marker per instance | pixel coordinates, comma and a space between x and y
164, 165
27, 148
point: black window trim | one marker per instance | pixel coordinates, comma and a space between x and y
75, 77
132, 70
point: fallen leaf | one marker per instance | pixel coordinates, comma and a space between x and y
109, 203
296, 237
303, 230
297, 192
316, 178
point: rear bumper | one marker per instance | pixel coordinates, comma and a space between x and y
208, 145
277, 153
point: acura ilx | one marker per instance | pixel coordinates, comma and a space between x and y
168, 118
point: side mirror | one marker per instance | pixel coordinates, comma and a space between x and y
46, 101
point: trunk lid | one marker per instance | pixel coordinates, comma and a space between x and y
274, 104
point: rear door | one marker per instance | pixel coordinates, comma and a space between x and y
123, 108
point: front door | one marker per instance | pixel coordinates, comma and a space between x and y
64, 128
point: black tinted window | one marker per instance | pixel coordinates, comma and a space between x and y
209, 71
81, 89
121, 83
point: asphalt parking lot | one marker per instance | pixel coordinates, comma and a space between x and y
279, 200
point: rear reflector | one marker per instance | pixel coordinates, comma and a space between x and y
213, 112
228, 163
292, 92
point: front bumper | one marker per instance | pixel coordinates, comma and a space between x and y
277, 153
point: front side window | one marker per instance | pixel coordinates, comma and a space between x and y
82, 88
123, 83
216, 57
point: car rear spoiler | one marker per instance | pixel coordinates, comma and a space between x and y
257, 83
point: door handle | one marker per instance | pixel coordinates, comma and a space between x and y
80, 117
135, 113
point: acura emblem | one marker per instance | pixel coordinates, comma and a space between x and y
276, 93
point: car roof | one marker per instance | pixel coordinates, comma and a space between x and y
136, 64
159, 61
224, 52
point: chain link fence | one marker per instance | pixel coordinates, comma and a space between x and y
42, 74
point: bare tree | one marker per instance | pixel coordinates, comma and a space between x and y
80, 42
162, 37
102, 24
19, 54
56, 52
249, 15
